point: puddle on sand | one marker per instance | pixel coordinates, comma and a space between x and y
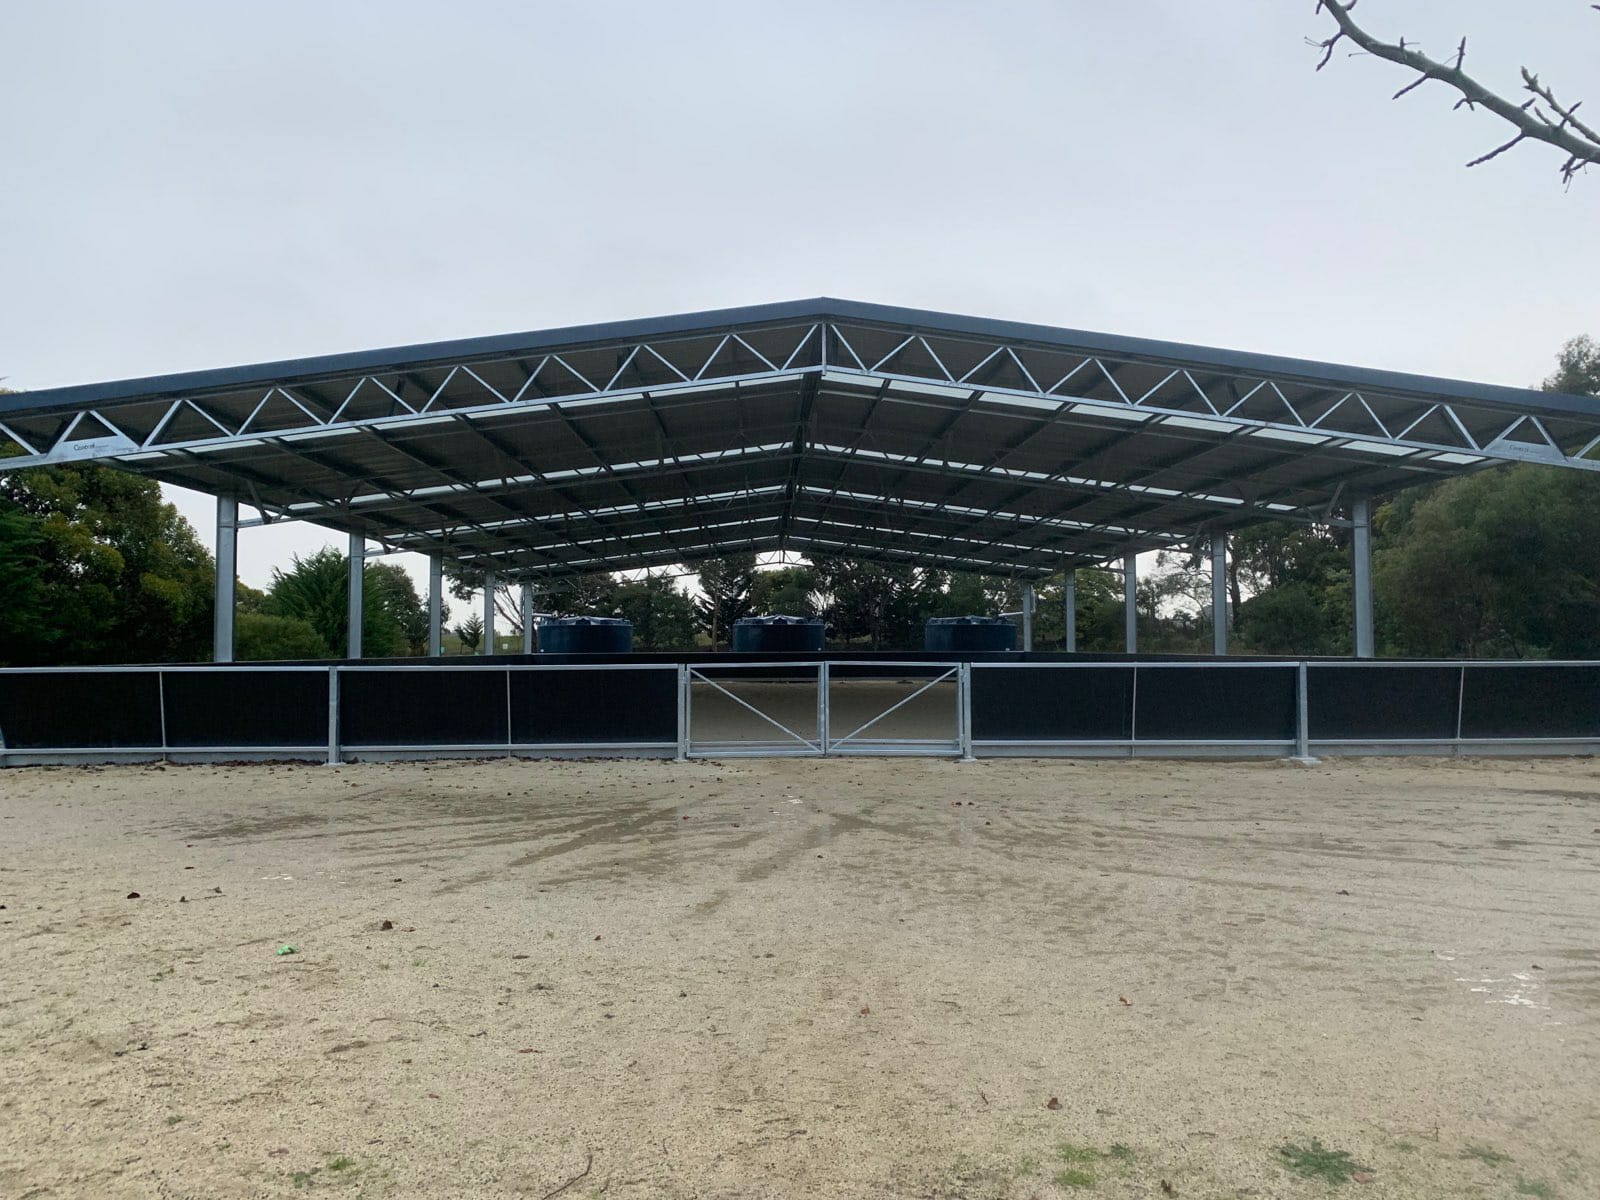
1516, 989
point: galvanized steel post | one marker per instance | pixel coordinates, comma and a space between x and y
353, 614
333, 716
1027, 616
435, 606
683, 712
1361, 574
489, 584
1219, 593
823, 714
527, 618
1070, 604
227, 574
1302, 714
964, 711
1130, 597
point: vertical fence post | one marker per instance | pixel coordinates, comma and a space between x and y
1302, 713
964, 716
1461, 704
161, 708
333, 716
1133, 714
822, 706
683, 713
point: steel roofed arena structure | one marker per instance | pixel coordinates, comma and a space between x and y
815, 426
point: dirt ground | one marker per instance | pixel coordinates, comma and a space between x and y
911, 978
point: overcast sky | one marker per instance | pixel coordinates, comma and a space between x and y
204, 184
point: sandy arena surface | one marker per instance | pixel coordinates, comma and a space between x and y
800, 978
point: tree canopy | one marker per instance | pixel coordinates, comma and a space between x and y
95, 567
305, 613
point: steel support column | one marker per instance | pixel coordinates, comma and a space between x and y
227, 575
527, 618
489, 584
1219, 593
435, 606
1027, 616
357, 564
1361, 574
1130, 596
1070, 605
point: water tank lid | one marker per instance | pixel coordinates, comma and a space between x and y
970, 621
778, 619
562, 622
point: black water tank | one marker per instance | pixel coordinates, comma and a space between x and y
585, 635
776, 635
966, 635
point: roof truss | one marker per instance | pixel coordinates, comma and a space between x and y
824, 424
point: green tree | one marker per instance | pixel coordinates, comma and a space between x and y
117, 574
1290, 588
726, 585
579, 595
467, 585
1098, 603
784, 591
1577, 370
262, 637
23, 611
1502, 563
316, 590
470, 632
397, 598
663, 615
878, 603
1505, 562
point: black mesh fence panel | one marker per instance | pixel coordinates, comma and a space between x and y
1531, 702
435, 706
1222, 704
1382, 703
66, 710
618, 706
246, 708
1051, 704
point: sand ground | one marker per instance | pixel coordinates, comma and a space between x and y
800, 978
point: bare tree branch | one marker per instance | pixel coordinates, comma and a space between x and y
1541, 118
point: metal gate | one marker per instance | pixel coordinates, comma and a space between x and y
825, 708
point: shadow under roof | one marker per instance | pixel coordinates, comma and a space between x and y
816, 426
